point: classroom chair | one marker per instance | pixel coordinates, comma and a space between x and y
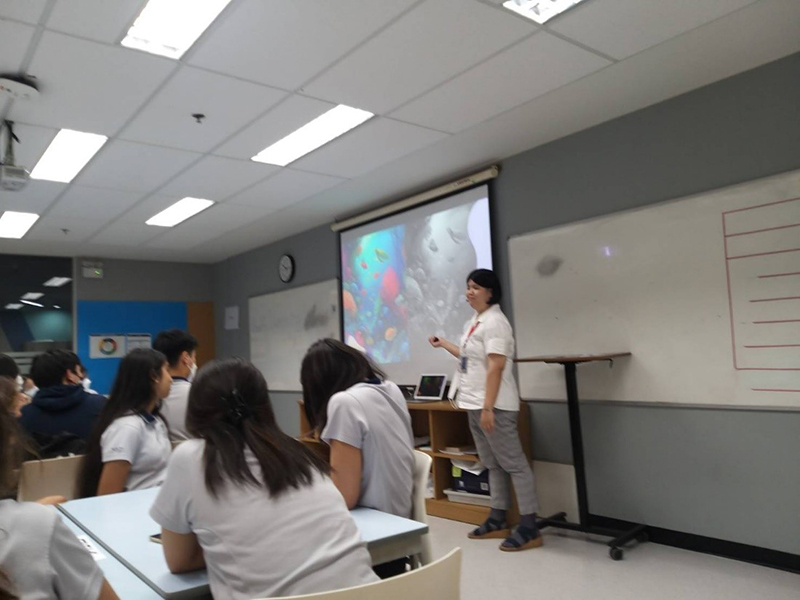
440, 580
50, 477
422, 471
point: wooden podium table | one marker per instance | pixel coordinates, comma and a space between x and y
584, 524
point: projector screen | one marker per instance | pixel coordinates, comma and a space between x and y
404, 278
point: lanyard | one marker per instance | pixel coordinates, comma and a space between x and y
469, 333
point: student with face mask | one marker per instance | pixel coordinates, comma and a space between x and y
61, 404
180, 348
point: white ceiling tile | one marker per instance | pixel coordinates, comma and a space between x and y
89, 86
16, 38
375, 143
534, 67
430, 44
284, 43
134, 167
51, 228
216, 178
207, 226
99, 20
130, 229
228, 104
33, 141
289, 115
34, 197
28, 11
93, 203
621, 28
286, 187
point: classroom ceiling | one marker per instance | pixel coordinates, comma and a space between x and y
456, 85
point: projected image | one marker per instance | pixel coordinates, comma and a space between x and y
406, 282
375, 310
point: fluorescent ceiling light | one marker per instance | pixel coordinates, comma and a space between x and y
32, 296
178, 212
67, 154
313, 134
57, 281
540, 11
32, 303
56, 306
170, 27
16, 224
13, 306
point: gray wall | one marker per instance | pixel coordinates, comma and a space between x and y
723, 473
146, 281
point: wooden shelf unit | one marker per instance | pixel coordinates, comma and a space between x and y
447, 427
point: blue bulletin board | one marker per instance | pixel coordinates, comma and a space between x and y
121, 318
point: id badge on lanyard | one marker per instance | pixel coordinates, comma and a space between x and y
462, 361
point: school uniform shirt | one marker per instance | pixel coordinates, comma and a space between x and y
42, 557
374, 418
142, 440
484, 334
301, 541
173, 408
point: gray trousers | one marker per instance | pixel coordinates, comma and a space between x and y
501, 453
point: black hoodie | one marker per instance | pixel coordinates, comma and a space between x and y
62, 408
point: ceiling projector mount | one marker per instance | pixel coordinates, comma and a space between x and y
18, 87
12, 177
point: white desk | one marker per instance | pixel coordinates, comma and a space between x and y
121, 524
127, 585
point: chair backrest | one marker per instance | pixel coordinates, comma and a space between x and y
422, 471
51, 477
440, 580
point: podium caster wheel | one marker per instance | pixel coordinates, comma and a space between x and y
615, 553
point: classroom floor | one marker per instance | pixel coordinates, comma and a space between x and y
571, 568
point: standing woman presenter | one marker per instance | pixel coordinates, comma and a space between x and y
487, 390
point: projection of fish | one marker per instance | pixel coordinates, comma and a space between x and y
390, 334
363, 264
381, 255
349, 302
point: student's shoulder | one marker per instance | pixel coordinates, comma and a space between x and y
188, 451
35, 519
95, 401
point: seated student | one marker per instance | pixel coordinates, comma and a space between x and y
61, 405
11, 398
180, 348
129, 448
365, 420
39, 556
250, 503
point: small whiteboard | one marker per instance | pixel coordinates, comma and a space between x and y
284, 324
704, 291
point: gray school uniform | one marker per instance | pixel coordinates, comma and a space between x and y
42, 557
302, 541
375, 419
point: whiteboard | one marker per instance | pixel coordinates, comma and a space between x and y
704, 291
284, 324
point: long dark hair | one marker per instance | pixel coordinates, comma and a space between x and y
229, 408
10, 459
133, 390
330, 366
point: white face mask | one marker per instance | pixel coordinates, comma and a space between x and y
192, 371
20, 383
87, 384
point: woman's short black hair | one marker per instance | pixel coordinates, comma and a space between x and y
487, 279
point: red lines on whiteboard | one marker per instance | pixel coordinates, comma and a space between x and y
765, 290
778, 275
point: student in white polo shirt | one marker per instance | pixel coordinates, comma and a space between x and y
180, 348
251, 504
487, 390
129, 448
39, 556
